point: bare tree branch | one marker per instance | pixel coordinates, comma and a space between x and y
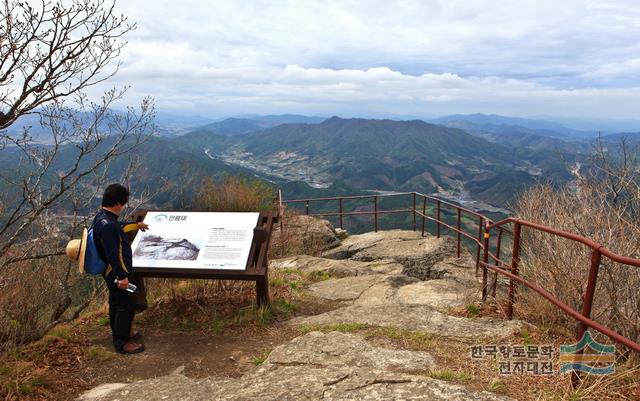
54, 51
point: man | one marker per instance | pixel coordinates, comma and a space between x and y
115, 250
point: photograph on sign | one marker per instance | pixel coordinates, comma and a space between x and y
197, 240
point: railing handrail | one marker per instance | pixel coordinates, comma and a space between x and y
485, 225
574, 237
383, 195
345, 197
569, 310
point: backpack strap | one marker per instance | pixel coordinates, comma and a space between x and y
93, 226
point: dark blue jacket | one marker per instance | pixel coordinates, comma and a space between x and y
112, 245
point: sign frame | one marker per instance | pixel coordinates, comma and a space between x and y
257, 268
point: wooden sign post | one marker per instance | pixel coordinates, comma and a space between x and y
256, 268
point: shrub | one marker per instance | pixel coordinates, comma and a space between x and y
234, 194
35, 294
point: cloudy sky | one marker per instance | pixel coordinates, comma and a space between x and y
364, 58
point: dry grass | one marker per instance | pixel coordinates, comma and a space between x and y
33, 294
603, 204
561, 266
217, 305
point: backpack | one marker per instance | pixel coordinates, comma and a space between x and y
93, 263
85, 251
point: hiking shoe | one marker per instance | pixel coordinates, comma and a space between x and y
131, 348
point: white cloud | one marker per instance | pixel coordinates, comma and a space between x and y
411, 57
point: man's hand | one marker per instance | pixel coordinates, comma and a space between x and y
123, 284
142, 226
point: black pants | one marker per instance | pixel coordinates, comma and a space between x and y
122, 309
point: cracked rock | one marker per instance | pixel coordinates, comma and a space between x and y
418, 255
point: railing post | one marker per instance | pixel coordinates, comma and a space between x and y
478, 245
414, 212
375, 212
341, 226
458, 232
485, 259
587, 303
280, 211
424, 212
515, 259
438, 219
498, 245
306, 205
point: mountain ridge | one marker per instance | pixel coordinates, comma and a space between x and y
384, 155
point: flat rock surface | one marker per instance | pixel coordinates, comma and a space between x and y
344, 289
381, 289
337, 349
336, 268
316, 366
389, 244
440, 294
415, 318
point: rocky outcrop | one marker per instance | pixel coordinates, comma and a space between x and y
418, 255
402, 299
304, 235
316, 366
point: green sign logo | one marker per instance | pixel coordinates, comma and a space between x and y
600, 361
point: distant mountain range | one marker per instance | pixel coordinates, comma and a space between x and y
485, 158
388, 155
498, 124
242, 126
177, 124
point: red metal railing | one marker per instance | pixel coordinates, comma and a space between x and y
597, 251
440, 204
482, 243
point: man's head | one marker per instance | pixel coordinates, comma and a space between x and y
115, 197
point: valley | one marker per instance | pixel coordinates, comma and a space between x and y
389, 155
289, 166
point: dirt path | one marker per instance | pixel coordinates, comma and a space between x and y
201, 355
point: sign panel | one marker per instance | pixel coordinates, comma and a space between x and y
196, 240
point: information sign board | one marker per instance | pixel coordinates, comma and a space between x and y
195, 240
